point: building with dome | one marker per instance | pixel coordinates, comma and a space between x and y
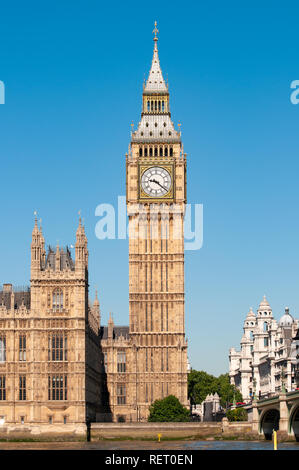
267, 361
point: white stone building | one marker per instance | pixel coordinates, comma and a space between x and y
267, 359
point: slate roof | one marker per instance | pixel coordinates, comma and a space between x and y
66, 260
117, 332
5, 299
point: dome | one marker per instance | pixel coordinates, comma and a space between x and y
287, 319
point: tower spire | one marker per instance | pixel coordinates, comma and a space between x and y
155, 81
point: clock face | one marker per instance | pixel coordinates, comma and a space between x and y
156, 181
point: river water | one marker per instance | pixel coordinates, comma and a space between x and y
149, 445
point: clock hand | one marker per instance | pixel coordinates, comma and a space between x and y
157, 182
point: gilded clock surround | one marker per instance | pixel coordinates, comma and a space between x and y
169, 196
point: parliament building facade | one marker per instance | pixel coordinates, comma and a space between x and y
59, 368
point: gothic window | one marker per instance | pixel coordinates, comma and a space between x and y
265, 326
161, 148
152, 106
166, 152
146, 393
159, 106
148, 106
162, 106
155, 105
145, 152
171, 151
121, 394
57, 387
166, 267
2, 348
22, 387
167, 317
156, 151
151, 317
57, 347
140, 151
150, 151
146, 360
22, 348
57, 300
121, 361
2, 388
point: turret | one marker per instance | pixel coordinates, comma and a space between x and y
96, 308
37, 250
110, 327
81, 261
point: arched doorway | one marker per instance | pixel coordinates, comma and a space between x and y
295, 423
270, 423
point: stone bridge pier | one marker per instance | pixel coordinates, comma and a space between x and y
279, 413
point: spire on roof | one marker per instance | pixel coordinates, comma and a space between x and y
155, 81
35, 228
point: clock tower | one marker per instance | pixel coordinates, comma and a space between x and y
156, 197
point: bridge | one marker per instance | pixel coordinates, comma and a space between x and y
279, 413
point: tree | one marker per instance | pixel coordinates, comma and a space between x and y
168, 409
238, 414
201, 384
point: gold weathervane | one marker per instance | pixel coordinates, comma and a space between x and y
155, 31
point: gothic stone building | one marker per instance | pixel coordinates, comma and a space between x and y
268, 358
58, 365
49, 352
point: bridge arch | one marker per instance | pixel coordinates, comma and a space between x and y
269, 422
294, 421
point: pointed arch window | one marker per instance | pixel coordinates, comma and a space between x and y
140, 151
2, 348
150, 151
166, 152
148, 106
57, 300
156, 151
171, 151
163, 107
161, 151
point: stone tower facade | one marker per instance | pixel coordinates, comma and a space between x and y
49, 344
156, 197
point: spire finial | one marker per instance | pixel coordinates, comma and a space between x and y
155, 31
35, 217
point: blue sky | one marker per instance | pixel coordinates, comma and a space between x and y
73, 73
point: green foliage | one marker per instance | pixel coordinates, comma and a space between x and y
168, 409
201, 384
238, 414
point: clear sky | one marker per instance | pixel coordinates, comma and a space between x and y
73, 73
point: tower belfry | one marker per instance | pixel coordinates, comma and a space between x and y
156, 197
